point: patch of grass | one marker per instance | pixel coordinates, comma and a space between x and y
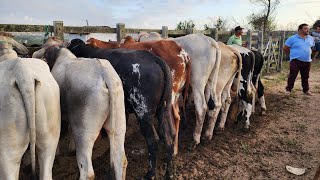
269, 153
285, 65
316, 64
301, 127
245, 148
316, 87
292, 142
276, 79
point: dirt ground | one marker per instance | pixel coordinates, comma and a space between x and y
288, 135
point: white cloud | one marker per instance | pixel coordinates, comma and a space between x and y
146, 14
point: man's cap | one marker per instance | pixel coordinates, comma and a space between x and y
238, 28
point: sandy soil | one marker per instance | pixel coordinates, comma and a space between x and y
288, 135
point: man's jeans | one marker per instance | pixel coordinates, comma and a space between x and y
295, 67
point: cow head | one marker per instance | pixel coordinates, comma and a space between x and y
144, 36
49, 50
142, 33
92, 42
127, 39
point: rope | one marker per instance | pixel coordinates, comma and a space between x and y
46, 33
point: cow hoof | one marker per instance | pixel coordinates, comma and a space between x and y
206, 139
193, 146
263, 112
168, 176
246, 128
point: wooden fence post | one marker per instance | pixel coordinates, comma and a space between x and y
214, 33
164, 32
190, 31
58, 29
249, 38
269, 54
281, 44
121, 31
260, 42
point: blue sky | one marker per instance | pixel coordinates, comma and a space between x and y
152, 13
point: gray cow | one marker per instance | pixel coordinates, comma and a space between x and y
92, 95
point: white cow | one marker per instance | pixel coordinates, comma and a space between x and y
91, 92
144, 36
230, 66
29, 112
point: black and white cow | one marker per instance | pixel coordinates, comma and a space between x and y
258, 64
250, 83
147, 86
247, 90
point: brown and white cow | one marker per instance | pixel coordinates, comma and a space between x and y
176, 58
97, 43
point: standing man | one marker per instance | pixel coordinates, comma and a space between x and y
316, 36
236, 38
299, 47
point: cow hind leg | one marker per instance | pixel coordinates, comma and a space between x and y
201, 109
167, 135
86, 122
212, 118
46, 154
48, 133
248, 112
226, 99
261, 97
151, 137
84, 146
176, 116
10, 163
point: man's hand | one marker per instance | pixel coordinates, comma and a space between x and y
286, 49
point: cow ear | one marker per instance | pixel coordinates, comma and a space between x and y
39, 54
51, 56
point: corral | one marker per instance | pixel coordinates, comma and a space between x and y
282, 137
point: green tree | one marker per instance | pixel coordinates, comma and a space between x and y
258, 24
316, 24
183, 25
221, 25
266, 15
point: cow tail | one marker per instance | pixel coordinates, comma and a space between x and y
27, 87
215, 69
118, 161
186, 86
166, 98
239, 69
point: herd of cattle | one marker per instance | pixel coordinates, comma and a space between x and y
95, 85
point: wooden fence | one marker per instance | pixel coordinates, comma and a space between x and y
270, 46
